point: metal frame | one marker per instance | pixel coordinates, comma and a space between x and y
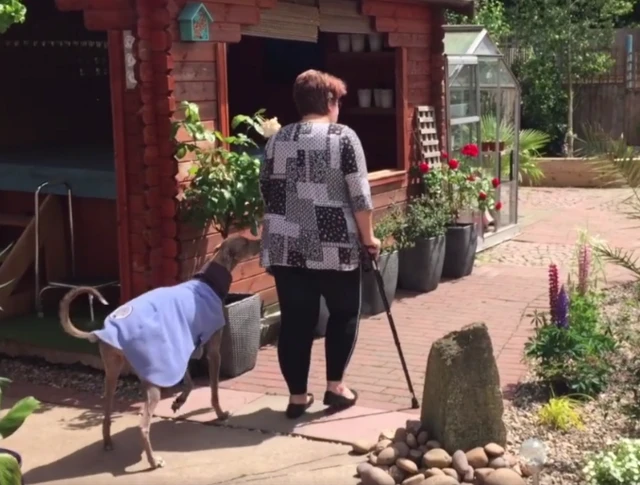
73, 282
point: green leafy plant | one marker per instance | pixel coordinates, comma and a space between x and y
491, 14
422, 219
530, 145
225, 185
618, 464
9, 468
573, 358
385, 228
11, 12
561, 413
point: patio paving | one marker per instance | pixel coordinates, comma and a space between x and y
507, 285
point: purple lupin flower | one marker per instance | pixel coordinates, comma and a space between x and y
554, 283
562, 309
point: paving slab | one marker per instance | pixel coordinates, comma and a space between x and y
63, 446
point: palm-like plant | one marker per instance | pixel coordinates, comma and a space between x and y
615, 161
531, 142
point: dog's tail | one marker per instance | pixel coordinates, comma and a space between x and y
65, 320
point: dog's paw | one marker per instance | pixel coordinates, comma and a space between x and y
158, 462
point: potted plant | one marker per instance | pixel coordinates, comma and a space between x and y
420, 238
460, 188
10, 461
224, 192
387, 263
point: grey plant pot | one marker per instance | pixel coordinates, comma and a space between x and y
371, 301
460, 252
241, 337
420, 267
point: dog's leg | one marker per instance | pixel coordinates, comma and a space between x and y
113, 362
184, 395
153, 398
213, 354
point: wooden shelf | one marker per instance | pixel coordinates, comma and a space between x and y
369, 111
388, 56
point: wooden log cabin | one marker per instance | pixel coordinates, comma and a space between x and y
97, 84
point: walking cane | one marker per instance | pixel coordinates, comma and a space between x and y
380, 284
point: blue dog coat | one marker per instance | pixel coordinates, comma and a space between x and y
159, 330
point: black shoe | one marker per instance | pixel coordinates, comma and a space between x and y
336, 402
295, 411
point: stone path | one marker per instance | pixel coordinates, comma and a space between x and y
509, 282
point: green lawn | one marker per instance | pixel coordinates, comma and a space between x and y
47, 332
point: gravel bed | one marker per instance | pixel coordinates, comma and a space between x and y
605, 419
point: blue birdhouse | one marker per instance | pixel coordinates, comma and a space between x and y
194, 22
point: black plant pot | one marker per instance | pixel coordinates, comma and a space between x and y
4, 451
420, 267
371, 301
460, 252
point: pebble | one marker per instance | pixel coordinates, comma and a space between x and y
494, 449
400, 436
437, 458
482, 474
498, 462
387, 434
460, 462
414, 480
477, 458
413, 426
363, 468
362, 447
377, 476
373, 459
431, 444
433, 472
450, 472
423, 437
504, 476
440, 480
388, 456
402, 448
407, 466
412, 441
397, 474
416, 456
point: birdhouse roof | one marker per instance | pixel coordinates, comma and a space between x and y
191, 11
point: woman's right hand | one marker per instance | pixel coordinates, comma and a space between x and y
372, 245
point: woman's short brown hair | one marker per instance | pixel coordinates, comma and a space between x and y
313, 90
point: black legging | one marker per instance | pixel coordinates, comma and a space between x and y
299, 291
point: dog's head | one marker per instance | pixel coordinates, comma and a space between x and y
234, 250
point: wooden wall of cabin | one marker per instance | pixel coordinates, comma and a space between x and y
200, 68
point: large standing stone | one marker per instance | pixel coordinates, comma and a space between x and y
462, 404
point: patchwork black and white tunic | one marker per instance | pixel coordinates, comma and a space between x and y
313, 179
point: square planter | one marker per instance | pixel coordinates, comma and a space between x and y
241, 337
420, 267
460, 250
371, 300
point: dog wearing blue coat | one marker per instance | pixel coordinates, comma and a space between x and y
158, 332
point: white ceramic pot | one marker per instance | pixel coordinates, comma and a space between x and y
375, 42
357, 42
386, 98
364, 98
377, 97
344, 42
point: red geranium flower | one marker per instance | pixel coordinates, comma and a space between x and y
482, 196
470, 150
423, 167
471, 178
495, 182
498, 205
444, 154
453, 164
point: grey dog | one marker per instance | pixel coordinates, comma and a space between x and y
116, 348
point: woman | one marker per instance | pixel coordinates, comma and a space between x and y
318, 215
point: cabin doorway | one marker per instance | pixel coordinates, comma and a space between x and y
56, 125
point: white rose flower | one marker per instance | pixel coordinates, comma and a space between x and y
270, 127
